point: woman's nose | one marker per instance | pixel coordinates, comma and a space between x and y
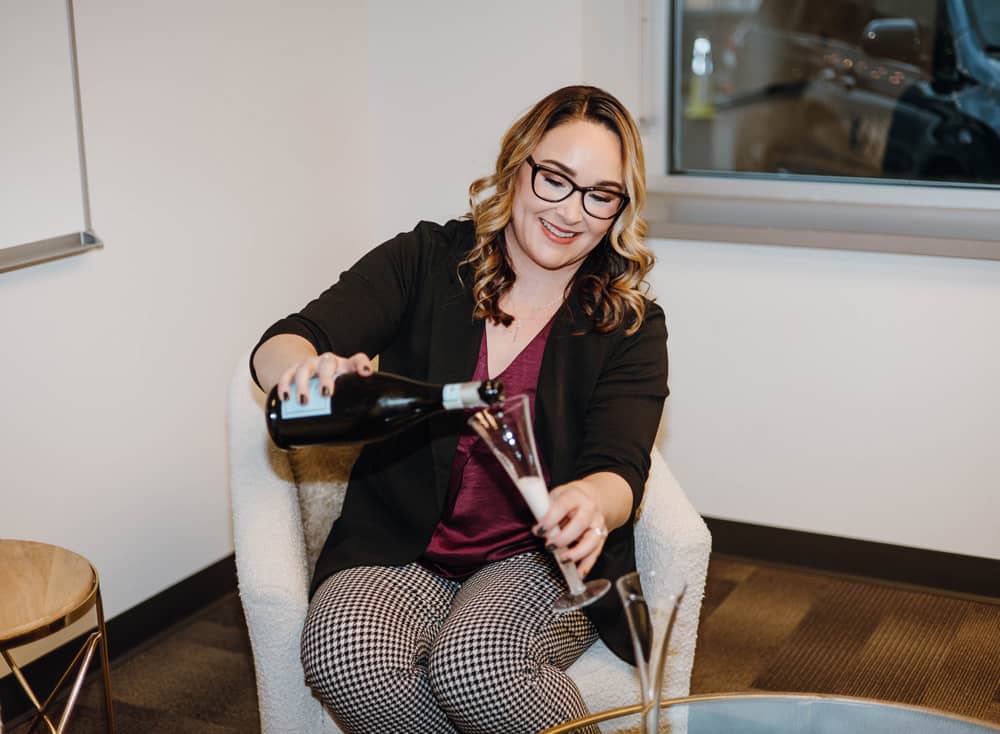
571, 209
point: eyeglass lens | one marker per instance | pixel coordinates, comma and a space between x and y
553, 186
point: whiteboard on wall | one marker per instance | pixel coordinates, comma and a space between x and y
44, 209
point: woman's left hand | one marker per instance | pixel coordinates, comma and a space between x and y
574, 527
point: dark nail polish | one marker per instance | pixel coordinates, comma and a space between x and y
540, 531
303, 399
550, 547
325, 391
285, 395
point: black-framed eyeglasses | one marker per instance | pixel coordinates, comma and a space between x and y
553, 186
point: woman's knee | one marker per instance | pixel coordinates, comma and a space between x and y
484, 693
356, 642
340, 649
324, 652
469, 683
484, 670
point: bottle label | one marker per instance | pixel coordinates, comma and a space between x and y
316, 405
460, 395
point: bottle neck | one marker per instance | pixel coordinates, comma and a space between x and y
459, 395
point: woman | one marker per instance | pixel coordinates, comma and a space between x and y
432, 598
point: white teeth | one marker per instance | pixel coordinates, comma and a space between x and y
557, 232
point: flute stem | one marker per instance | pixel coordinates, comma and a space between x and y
572, 576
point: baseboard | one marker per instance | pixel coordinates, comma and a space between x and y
126, 632
931, 569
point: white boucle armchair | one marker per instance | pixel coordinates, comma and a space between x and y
283, 507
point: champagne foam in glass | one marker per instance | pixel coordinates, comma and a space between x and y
535, 493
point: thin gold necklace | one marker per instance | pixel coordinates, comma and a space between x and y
545, 308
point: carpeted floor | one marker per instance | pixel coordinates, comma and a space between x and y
196, 677
767, 628
763, 628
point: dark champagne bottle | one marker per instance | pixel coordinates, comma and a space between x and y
367, 409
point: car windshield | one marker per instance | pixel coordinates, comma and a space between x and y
986, 18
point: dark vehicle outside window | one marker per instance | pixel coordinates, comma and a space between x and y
861, 89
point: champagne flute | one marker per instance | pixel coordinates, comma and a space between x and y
650, 621
506, 430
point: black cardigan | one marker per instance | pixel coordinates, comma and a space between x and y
599, 401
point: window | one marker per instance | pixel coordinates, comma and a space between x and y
856, 124
869, 89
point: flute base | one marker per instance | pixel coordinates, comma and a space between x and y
592, 591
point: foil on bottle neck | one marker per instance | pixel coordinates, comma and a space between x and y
459, 395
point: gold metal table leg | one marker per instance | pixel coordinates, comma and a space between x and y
82, 660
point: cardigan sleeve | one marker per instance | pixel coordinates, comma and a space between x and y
624, 412
363, 310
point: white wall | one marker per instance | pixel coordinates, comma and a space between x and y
448, 78
222, 142
847, 393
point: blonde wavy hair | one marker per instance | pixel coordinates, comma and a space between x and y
610, 281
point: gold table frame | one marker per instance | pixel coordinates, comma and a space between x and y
570, 727
96, 640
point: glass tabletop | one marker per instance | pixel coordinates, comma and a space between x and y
784, 713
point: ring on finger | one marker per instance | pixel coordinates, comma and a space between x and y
599, 532
326, 355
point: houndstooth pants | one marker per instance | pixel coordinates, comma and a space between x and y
400, 650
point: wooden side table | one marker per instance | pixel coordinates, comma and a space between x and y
44, 589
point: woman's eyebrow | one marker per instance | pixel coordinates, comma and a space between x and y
570, 172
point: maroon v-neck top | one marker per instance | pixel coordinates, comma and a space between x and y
485, 518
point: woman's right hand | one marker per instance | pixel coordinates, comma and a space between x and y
327, 367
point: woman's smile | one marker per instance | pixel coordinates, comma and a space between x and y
557, 234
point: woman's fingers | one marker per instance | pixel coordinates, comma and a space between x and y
585, 551
303, 374
575, 527
361, 364
571, 512
331, 367
326, 367
299, 375
572, 528
285, 382
590, 542
585, 565
559, 508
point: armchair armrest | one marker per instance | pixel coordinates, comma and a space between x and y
271, 564
672, 538
267, 521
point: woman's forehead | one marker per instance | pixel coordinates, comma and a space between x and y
583, 149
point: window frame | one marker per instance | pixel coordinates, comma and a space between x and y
910, 218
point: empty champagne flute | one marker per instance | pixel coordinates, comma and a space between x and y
506, 429
650, 621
